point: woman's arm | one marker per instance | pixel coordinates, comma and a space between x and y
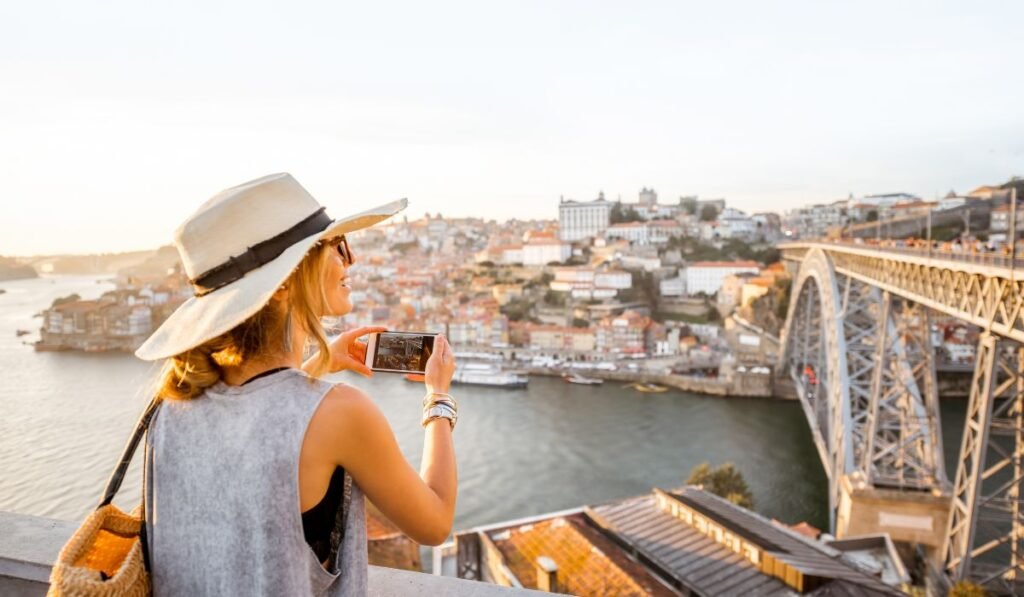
350, 431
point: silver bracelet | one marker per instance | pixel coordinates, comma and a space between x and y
429, 395
441, 411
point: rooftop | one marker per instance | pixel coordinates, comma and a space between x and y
588, 563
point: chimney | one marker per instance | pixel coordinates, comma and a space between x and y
547, 575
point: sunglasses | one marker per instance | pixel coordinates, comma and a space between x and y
342, 244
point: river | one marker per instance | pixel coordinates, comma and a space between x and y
65, 416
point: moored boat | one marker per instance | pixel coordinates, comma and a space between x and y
488, 374
579, 379
649, 387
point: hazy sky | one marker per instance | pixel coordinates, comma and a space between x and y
117, 119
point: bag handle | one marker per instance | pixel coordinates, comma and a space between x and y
114, 484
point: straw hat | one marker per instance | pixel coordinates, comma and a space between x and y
238, 248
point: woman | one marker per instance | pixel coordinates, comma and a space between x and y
248, 455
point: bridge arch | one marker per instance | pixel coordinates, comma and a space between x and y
860, 361
814, 357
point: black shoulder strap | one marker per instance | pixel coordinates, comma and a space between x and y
117, 477
340, 518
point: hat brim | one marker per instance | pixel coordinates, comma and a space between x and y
200, 319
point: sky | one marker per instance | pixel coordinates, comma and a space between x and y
119, 118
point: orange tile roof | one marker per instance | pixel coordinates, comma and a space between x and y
588, 563
377, 525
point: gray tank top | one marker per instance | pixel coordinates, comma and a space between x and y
223, 495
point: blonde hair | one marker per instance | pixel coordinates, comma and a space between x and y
187, 375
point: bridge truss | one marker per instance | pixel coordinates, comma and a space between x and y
862, 364
857, 346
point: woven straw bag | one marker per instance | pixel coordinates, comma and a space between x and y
106, 556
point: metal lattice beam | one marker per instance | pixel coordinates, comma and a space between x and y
985, 537
903, 448
986, 295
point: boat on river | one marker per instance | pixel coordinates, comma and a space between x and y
579, 379
488, 374
649, 388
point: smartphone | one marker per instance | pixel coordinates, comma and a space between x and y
399, 352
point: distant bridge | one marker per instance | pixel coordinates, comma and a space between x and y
857, 345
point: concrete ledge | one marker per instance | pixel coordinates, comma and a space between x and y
30, 544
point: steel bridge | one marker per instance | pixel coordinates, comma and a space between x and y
857, 345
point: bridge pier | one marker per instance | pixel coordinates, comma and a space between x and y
912, 517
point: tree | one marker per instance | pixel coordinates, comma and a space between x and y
71, 298
872, 216
555, 298
621, 215
708, 213
724, 481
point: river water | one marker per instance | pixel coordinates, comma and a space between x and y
64, 418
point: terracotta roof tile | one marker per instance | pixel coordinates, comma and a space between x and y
588, 563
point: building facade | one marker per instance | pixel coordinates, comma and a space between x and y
578, 220
707, 276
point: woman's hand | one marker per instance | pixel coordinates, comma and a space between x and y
440, 366
348, 353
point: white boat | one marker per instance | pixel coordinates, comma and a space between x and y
488, 374
587, 381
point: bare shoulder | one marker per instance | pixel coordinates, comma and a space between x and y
345, 417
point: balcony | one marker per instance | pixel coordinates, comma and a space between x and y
29, 545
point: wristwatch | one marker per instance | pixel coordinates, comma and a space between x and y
440, 411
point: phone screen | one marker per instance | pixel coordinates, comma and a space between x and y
398, 351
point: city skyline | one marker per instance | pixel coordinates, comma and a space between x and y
120, 120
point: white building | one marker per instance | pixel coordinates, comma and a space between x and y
512, 254
1001, 219
544, 251
707, 276
673, 286
586, 283
581, 219
645, 233
635, 232
815, 220
616, 279
733, 223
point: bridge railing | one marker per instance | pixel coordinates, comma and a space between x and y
991, 258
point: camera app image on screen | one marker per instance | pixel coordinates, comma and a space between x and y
403, 352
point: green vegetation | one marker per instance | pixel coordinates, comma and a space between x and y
724, 481
947, 233
694, 250
708, 213
71, 298
554, 298
580, 323
621, 215
685, 318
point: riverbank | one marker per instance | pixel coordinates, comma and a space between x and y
742, 385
